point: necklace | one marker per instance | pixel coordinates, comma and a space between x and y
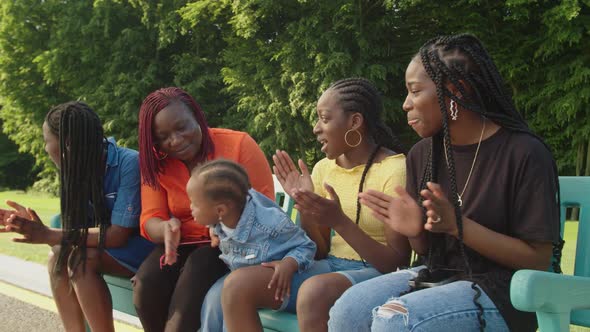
460, 196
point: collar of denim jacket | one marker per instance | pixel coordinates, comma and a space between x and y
112, 152
246, 221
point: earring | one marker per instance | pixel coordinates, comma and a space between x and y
219, 219
346, 138
159, 155
454, 110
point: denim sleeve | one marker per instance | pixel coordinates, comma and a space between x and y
127, 206
303, 248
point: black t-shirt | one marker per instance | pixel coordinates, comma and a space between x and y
512, 191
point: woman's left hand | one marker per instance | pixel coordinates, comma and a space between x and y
325, 212
19, 211
439, 210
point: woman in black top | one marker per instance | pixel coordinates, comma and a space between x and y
480, 203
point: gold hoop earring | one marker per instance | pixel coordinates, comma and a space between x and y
159, 155
346, 138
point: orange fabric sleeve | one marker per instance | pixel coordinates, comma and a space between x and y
153, 205
255, 163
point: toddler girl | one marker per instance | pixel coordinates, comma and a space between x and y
249, 228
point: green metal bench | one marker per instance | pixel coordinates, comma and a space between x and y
122, 290
557, 299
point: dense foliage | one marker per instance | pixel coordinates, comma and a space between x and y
260, 65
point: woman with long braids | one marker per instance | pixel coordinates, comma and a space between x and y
174, 138
481, 201
100, 207
361, 153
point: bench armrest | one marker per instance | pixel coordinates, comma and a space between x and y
550, 292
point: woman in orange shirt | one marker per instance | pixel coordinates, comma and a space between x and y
170, 285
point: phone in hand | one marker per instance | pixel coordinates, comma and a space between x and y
437, 278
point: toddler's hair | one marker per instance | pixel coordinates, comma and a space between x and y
224, 180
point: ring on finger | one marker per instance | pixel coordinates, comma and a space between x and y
437, 220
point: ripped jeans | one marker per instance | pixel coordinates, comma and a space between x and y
375, 305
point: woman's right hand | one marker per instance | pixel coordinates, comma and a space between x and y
290, 178
401, 213
171, 240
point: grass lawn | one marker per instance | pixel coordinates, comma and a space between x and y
47, 206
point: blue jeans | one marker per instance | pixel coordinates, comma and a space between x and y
375, 305
355, 271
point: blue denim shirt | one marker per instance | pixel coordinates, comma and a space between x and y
122, 188
264, 233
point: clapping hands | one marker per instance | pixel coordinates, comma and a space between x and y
289, 176
404, 215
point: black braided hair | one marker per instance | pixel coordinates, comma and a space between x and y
451, 59
224, 180
82, 167
359, 95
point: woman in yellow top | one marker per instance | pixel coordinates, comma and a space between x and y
361, 153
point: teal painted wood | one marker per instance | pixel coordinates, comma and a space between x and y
278, 321
122, 294
555, 297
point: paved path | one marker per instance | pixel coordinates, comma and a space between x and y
19, 316
24, 289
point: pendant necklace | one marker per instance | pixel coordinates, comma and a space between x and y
460, 196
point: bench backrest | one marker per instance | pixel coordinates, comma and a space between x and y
575, 192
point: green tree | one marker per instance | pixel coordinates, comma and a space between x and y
261, 65
280, 56
16, 169
110, 54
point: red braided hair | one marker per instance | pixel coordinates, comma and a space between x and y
149, 164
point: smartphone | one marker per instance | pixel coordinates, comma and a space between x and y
194, 242
437, 278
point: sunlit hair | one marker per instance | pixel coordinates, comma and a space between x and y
149, 163
224, 180
463, 61
82, 167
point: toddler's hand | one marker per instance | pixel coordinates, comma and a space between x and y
284, 270
214, 238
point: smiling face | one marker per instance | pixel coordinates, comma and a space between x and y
421, 104
332, 124
177, 132
51, 144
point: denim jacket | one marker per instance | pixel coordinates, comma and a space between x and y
122, 185
264, 233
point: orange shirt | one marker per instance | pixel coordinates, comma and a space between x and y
172, 199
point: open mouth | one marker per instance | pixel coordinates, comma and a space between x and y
324, 144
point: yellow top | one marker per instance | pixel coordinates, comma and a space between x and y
383, 176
